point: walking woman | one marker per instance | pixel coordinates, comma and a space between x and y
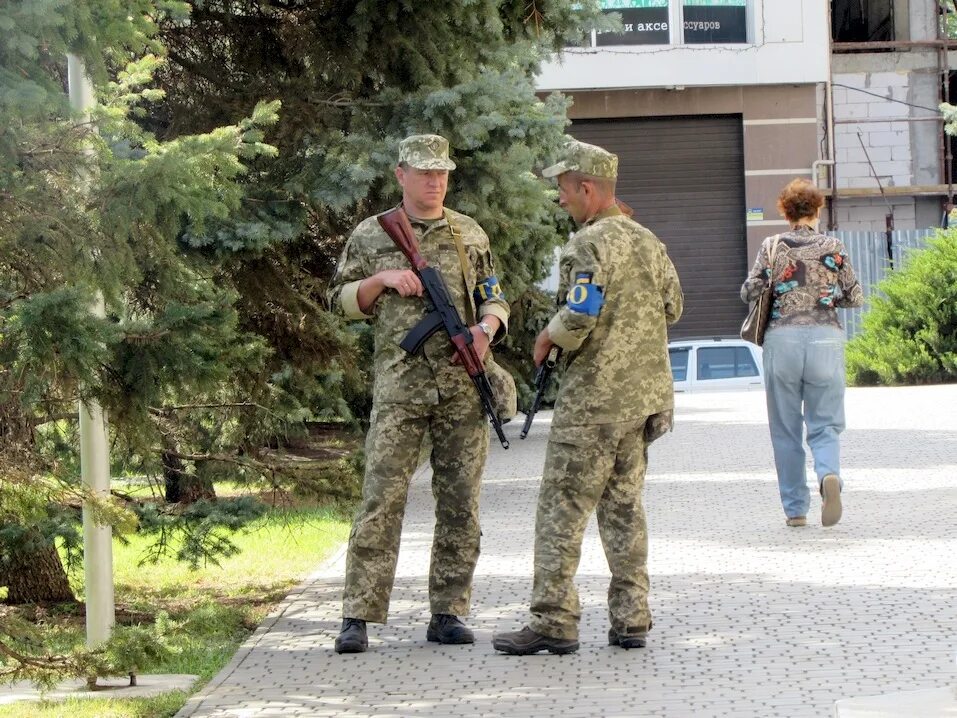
811, 277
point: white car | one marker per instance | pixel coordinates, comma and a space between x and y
716, 364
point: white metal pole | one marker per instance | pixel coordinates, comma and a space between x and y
94, 452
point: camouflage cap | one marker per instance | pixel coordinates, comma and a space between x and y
426, 152
585, 158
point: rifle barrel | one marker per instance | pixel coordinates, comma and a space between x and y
542, 376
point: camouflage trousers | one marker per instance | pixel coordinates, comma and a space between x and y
459, 434
587, 468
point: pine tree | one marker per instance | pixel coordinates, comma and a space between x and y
211, 247
102, 207
354, 78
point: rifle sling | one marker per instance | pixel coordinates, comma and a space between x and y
463, 263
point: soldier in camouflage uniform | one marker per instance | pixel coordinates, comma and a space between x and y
620, 291
418, 395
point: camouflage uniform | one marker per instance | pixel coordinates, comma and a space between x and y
416, 395
617, 376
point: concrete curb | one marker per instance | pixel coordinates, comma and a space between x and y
147, 686
195, 701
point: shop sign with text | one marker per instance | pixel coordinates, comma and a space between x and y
715, 21
644, 22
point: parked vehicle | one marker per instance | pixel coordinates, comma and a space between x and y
716, 364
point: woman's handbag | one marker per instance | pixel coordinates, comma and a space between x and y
759, 311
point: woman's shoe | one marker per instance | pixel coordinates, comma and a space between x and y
797, 521
831, 495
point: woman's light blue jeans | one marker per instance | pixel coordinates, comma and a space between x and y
804, 384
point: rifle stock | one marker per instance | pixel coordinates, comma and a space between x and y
542, 376
442, 314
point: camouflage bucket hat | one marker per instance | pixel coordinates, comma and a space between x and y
585, 158
426, 152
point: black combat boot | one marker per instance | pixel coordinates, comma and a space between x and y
445, 628
630, 638
527, 642
352, 638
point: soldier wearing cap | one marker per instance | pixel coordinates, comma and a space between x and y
418, 395
618, 291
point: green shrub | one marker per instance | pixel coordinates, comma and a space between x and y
910, 331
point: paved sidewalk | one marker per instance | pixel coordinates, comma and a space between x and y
751, 618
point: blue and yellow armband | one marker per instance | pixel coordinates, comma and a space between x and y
488, 290
585, 297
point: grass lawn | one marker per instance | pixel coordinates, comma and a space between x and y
213, 609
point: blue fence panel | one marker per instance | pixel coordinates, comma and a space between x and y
872, 263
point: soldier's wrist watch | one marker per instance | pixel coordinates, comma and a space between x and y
487, 328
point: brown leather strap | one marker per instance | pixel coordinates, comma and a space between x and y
771, 256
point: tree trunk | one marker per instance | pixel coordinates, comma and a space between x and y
180, 486
35, 575
173, 471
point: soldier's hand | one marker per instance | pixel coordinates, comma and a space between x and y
543, 345
403, 281
479, 341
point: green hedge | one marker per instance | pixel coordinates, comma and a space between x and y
910, 330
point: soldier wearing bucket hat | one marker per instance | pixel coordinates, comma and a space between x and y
618, 291
418, 394
425, 152
587, 159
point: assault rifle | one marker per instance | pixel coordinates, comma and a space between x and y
542, 376
442, 314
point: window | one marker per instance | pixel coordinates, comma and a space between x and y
650, 22
744, 362
862, 20
679, 363
645, 22
725, 363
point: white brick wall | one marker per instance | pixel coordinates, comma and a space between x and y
888, 143
862, 214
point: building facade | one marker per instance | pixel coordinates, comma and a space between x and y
714, 105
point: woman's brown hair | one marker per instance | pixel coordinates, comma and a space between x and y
800, 199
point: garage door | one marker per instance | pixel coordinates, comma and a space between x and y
684, 177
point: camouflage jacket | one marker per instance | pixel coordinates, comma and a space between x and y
428, 377
618, 291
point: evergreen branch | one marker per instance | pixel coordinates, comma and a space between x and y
168, 410
49, 419
145, 338
87, 127
127, 497
344, 99
536, 15
195, 68
225, 458
49, 151
53, 663
6, 303
32, 211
